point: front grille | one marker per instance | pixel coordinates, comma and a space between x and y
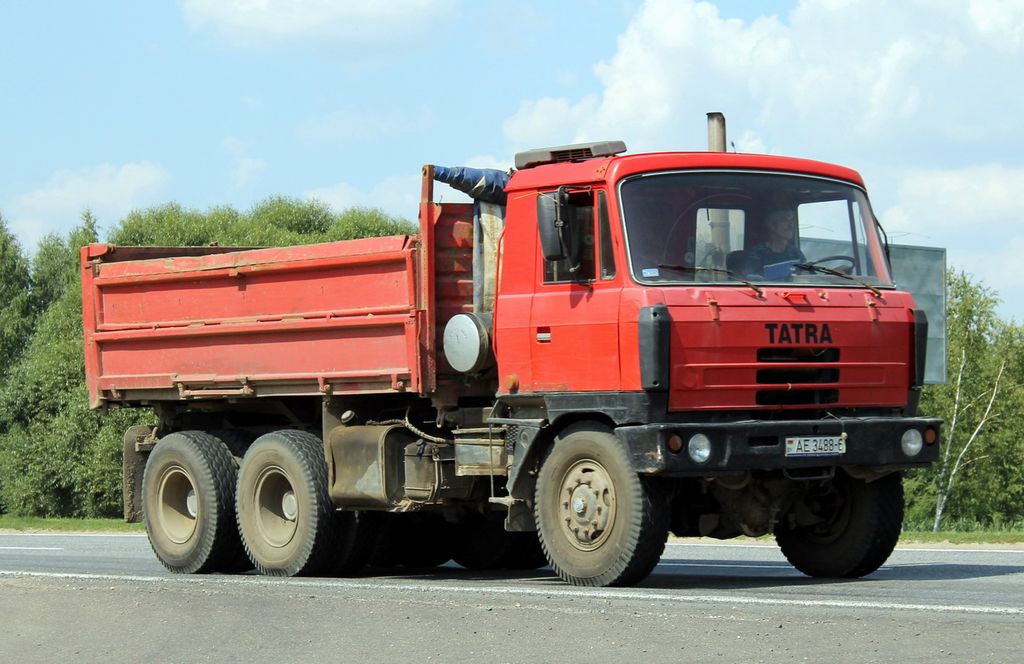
791, 376
577, 154
777, 354
788, 376
796, 397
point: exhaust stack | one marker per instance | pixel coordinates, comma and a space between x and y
716, 132
718, 219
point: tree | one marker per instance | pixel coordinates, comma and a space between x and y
977, 478
58, 457
15, 314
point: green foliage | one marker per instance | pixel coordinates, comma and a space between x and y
276, 221
58, 457
15, 316
986, 354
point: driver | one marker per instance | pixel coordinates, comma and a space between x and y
778, 247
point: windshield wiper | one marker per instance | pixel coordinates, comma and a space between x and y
811, 267
716, 270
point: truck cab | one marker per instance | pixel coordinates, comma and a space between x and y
729, 321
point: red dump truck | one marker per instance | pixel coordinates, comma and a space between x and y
600, 350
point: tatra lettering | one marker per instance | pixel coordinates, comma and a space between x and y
798, 333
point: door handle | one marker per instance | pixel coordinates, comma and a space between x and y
544, 335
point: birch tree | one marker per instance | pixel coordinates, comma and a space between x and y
977, 476
957, 455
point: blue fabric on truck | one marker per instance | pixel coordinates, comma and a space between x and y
481, 184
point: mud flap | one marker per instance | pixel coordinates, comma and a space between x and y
138, 441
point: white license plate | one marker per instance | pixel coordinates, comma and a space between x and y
815, 445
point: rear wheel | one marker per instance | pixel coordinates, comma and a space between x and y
854, 527
600, 524
188, 494
285, 515
236, 440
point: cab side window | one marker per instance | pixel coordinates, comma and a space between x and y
581, 264
607, 251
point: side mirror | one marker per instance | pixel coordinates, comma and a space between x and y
554, 213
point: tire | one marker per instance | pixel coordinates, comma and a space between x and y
188, 499
860, 527
236, 440
288, 523
600, 524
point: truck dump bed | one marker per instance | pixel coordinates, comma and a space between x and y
355, 316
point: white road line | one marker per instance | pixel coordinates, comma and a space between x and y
17, 533
681, 563
957, 549
31, 548
546, 593
946, 549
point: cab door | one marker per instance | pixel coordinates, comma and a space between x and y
574, 319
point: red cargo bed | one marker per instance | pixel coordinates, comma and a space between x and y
295, 320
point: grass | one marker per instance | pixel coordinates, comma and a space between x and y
963, 531
963, 537
39, 524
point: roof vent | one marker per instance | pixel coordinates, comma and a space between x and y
577, 152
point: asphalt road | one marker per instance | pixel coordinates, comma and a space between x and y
105, 598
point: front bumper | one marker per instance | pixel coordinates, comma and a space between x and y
753, 445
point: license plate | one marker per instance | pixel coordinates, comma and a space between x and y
815, 445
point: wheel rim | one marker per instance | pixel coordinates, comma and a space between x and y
277, 507
178, 505
834, 507
586, 505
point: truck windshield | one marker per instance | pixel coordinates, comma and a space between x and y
750, 227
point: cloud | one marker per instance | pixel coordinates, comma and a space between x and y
256, 22
983, 197
973, 211
109, 190
245, 167
547, 121
863, 73
999, 20
244, 171
398, 196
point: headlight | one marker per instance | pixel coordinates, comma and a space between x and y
911, 442
699, 447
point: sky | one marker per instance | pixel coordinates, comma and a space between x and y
118, 105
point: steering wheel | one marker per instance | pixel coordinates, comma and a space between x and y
849, 260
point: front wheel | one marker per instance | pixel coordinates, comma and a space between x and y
600, 524
851, 527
